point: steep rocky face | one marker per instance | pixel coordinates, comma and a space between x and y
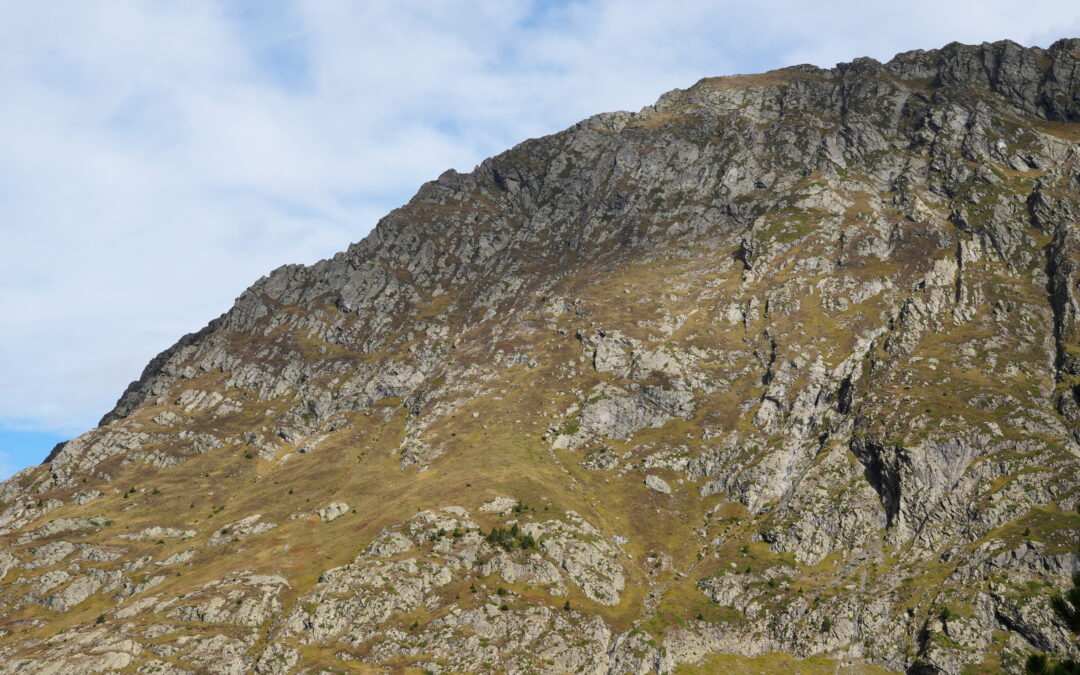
785, 365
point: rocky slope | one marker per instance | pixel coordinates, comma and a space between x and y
782, 371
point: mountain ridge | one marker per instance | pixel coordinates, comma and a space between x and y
935, 65
782, 364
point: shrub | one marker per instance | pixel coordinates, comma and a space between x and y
1036, 663
1067, 605
510, 539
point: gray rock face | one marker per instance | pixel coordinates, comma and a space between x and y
332, 512
245, 527
783, 363
242, 599
614, 414
657, 483
160, 533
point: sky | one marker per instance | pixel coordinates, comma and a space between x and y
157, 158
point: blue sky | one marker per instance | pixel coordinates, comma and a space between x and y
22, 448
159, 157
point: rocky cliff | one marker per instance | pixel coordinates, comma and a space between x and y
782, 371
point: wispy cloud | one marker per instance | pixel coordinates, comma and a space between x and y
159, 157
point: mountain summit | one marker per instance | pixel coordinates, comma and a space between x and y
780, 372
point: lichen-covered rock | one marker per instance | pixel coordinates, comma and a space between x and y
498, 505
657, 483
332, 512
245, 527
157, 532
352, 601
588, 558
243, 599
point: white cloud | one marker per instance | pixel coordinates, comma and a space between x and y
159, 157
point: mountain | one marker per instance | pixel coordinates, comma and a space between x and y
781, 372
